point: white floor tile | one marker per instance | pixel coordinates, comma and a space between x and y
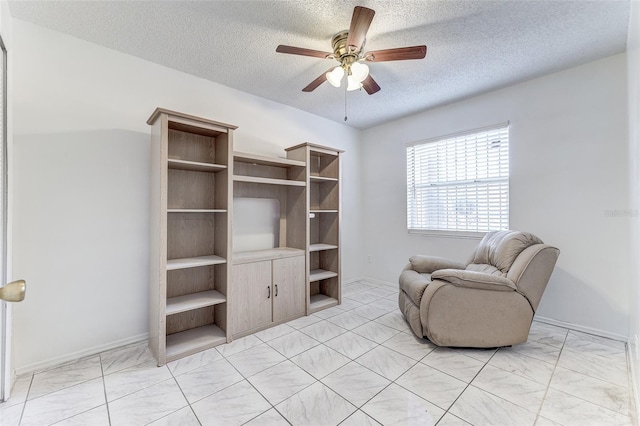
268, 418
608, 370
397, 406
599, 392
387, 363
481, 408
547, 334
355, 383
133, 379
394, 320
323, 331
328, 313
388, 304
293, 344
351, 345
65, 376
511, 387
410, 345
191, 362
208, 379
315, 405
235, 405
376, 332
537, 350
433, 385
147, 405
359, 418
371, 311
348, 305
320, 361
10, 415
454, 363
348, 320
20, 391
569, 410
94, 417
280, 382
304, 321
238, 345
182, 417
522, 365
273, 332
255, 359
64, 403
125, 357
451, 420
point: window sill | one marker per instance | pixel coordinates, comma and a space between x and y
447, 234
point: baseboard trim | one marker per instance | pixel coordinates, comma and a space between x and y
582, 328
54, 362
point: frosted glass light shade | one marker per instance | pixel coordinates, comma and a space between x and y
359, 71
353, 84
334, 77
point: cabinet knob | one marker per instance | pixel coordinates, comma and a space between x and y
268, 292
276, 290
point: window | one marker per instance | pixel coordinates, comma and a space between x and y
460, 182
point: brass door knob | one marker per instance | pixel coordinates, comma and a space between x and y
14, 291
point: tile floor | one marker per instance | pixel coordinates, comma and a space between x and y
355, 364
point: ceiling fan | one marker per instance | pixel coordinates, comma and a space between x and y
348, 49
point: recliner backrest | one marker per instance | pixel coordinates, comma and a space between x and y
501, 248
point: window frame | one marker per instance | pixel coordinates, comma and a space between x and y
449, 233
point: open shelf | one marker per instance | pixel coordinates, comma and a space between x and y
194, 166
193, 340
266, 161
194, 262
194, 301
271, 181
320, 247
196, 210
321, 274
322, 179
318, 302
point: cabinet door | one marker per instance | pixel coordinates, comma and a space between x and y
252, 296
288, 288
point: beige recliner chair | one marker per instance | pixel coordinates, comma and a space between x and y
489, 302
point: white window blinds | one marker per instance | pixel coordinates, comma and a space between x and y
459, 182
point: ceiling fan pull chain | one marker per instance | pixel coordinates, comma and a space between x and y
345, 102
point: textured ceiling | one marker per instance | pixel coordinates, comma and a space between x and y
473, 46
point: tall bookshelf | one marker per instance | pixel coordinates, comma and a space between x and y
323, 224
191, 190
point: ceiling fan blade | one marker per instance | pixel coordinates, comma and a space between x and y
399, 54
302, 51
317, 82
360, 22
370, 85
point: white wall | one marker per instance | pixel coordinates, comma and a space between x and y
81, 168
569, 167
633, 72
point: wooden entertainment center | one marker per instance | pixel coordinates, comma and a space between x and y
202, 292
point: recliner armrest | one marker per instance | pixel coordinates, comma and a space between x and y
473, 279
427, 264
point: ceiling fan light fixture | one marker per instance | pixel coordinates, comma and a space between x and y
353, 84
334, 77
359, 71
